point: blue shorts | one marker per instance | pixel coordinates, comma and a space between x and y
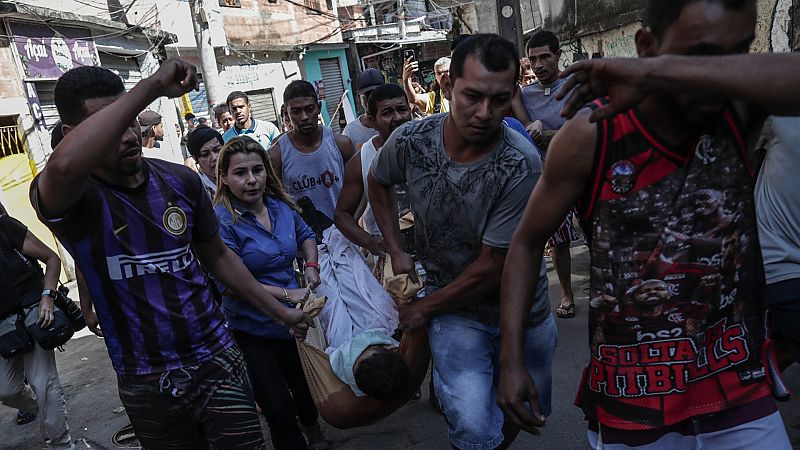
466, 360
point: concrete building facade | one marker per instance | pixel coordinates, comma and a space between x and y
42, 40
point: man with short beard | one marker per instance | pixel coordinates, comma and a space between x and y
138, 229
387, 109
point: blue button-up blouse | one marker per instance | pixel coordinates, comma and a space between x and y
268, 255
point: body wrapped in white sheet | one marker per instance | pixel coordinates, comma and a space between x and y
356, 300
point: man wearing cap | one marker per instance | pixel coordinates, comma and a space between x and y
360, 130
152, 128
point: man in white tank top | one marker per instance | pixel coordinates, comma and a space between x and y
387, 109
310, 159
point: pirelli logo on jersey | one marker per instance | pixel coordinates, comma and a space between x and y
123, 267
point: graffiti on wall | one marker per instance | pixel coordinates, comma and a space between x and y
388, 64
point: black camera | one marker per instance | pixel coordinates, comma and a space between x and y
71, 310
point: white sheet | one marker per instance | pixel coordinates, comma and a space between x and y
356, 301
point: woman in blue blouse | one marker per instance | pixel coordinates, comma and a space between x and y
261, 223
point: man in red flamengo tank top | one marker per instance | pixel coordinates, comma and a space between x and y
659, 170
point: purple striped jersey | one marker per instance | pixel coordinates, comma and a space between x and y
134, 246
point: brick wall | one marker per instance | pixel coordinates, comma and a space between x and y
264, 24
9, 81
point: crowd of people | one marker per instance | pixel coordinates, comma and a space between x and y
674, 165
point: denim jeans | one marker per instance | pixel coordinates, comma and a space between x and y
466, 360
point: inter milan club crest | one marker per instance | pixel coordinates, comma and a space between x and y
622, 176
705, 151
175, 220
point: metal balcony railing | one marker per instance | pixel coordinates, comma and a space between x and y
10, 142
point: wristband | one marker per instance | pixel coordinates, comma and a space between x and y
312, 264
50, 293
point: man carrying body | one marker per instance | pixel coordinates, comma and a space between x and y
262, 131
469, 178
433, 102
541, 106
387, 109
361, 130
310, 160
667, 130
134, 226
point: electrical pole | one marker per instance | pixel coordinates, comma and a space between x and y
205, 53
509, 22
401, 10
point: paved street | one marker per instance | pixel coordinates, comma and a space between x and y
94, 408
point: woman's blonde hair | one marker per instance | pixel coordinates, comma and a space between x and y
247, 145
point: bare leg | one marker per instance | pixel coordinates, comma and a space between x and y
562, 260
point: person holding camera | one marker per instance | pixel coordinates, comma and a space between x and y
435, 101
24, 285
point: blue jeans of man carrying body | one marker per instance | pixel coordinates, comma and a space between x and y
466, 361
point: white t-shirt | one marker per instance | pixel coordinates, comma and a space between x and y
776, 194
358, 133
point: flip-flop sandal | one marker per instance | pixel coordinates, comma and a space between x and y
565, 311
24, 417
126, 438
